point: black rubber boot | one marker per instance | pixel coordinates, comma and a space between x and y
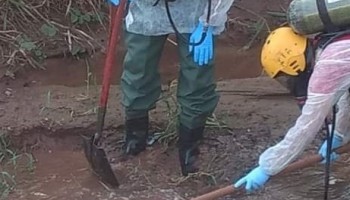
188, 145
136, 134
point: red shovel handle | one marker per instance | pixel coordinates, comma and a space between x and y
116, 19
115, 29
300, 164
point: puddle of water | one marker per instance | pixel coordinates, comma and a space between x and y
66, 175
59, 175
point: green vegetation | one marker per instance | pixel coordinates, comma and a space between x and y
36, 29
9, 165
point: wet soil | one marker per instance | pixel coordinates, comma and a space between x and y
74, 72
257, 111
45, 112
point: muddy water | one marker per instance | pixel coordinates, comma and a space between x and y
71, 72
65, 175
58, 175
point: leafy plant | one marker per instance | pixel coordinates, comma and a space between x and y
49, 30
26, 44
76, 50
79, 17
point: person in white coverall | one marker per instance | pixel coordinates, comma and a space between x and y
287, 54
147, 26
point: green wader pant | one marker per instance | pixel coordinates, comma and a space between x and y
141, 85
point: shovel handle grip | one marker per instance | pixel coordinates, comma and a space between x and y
300, 164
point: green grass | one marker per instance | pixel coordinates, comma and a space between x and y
9, 165
169, 134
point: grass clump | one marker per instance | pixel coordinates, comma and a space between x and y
9, 165
173, 109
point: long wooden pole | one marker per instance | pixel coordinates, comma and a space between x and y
300, 164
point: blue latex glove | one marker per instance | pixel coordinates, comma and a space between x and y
254, 180
204, 52
336, 142
114, 2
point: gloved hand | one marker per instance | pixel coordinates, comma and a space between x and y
204, 52
336, 142
254, 180
114, 2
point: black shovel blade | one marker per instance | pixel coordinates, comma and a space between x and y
97, 158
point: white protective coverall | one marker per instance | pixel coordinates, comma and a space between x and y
328, 85
145, 19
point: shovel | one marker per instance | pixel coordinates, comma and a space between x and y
93, 150
303, 163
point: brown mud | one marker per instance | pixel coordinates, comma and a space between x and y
46, 111
258, 112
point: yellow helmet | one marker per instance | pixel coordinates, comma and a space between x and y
283, 51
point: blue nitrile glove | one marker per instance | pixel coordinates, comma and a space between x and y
204, 52
336, 142
254, 180
114, 2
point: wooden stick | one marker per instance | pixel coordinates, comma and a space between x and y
218, 193
300, 164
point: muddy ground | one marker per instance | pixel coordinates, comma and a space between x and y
256, 110
45, 112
